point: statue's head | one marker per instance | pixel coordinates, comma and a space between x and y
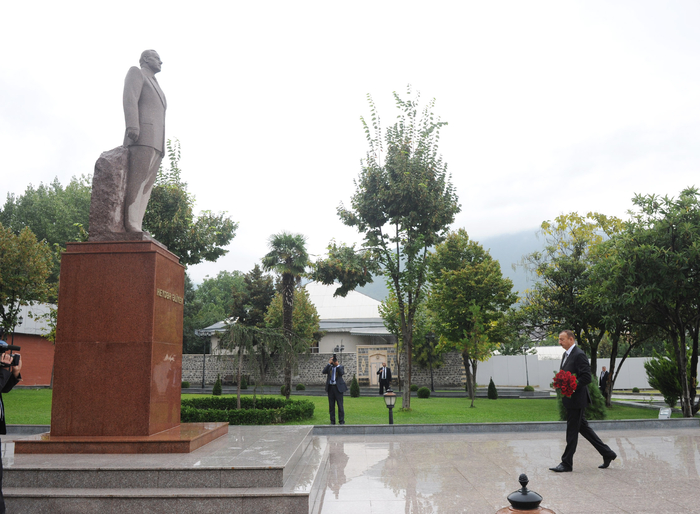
150, 59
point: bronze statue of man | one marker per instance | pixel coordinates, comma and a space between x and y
144, 111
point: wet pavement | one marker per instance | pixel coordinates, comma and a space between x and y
656, 472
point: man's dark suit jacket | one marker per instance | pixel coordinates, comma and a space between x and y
577, 363
338, 377
388, 374
7, 382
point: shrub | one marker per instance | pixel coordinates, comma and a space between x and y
528, 388
301, 387
244, 382
185, 384
596, 410
354, 387
414, 388
261, 411
492, 392
635, 389
423, 392
662, 373
217, 386
283, 391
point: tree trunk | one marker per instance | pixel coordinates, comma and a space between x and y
240, 370
470, 381
682, 360
287, 312
694, 369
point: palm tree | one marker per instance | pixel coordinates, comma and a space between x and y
288, 257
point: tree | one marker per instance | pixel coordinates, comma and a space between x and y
403, 205
305, 319
469, 298
170, 218
252, 301
563, 270
209, 303
652, 266
288, 257
425, 349
54, 213
25, 265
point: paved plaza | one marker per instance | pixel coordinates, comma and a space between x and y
375, 469
657, 471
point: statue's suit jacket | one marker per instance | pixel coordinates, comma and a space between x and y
144, 107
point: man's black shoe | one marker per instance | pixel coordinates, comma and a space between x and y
560, 469
607, 461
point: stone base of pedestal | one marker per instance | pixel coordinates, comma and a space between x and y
183, 438
538, 510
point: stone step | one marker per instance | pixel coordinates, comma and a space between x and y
293, 485
180, 500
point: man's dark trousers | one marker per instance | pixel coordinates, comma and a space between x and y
335, 396
576, 423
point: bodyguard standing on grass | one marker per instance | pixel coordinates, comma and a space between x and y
575, 362
335, 387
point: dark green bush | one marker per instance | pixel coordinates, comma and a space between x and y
217, 386
492, 392
596, 410
414, 388
662, 373
185, 384
244, 382
354, 387
635, 389
262, 411
283, 391
528, 388
423, 392
301, 387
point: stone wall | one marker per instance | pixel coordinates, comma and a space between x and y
509, 371
307, 371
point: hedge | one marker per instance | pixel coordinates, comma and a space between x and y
265, 411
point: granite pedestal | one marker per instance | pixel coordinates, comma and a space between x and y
118, 358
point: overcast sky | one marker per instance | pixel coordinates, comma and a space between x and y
552, 107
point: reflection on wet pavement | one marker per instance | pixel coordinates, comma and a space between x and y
656, 471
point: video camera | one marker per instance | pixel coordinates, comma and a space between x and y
4, 347
335, 358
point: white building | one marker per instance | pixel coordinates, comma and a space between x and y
349, 322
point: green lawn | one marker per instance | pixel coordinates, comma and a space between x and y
33, 407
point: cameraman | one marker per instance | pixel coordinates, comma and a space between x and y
335, 387
9, 376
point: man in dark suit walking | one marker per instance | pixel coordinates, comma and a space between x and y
384, 378
603, 382
335, 387
576, 362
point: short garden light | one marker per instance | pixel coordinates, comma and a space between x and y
390, 400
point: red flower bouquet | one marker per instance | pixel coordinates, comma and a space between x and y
566, 382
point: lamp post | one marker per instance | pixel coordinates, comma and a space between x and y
390, 400
203, 334
527, 375
339, 349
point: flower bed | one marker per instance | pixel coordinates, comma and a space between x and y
265, 411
